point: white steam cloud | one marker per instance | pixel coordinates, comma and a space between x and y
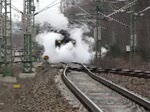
54, 17
67, 52
80, 52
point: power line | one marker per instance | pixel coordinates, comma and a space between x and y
94, 22
112, 6
16, 9
112, 19
17, 1
47, 7
78, 21
145, 9
87, 14
83, 10
44, 9
102, 15
123, 8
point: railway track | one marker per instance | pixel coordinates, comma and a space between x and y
99, 94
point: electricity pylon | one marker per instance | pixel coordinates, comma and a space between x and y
132, 33
29, 9
5, 38
1, 35
98, 9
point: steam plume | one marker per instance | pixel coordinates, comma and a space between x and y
81, 52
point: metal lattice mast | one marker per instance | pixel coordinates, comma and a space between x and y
100, 28
99, 8
1, 34
27, 26
96, 32
34, 44
6, 48
132, 33
61, 6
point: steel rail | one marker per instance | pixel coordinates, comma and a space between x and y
119, 71
135, 98
124, 72
86, 101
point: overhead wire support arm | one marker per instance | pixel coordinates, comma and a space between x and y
123, 8
112, 6
142, 11
16, 9
112, 19
145, 9
82, 9
47, 7
87, 14
104, 15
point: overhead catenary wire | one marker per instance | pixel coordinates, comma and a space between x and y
87, 14
103, 16
16, 9
78, 22
112, 19
94, 22
112, 6
47, 7
143, 10
107, 16
52, 4
18, 1
44, 9
123, 8
83, 10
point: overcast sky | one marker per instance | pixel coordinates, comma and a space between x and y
19, 4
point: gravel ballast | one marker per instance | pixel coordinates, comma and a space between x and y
38, 94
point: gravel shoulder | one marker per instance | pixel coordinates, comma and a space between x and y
139, 86
39, 94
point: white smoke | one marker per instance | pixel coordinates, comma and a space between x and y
68, 52
81, 52
54, 17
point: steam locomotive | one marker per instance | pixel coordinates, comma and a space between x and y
65, 40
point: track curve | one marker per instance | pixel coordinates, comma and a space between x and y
79, 89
